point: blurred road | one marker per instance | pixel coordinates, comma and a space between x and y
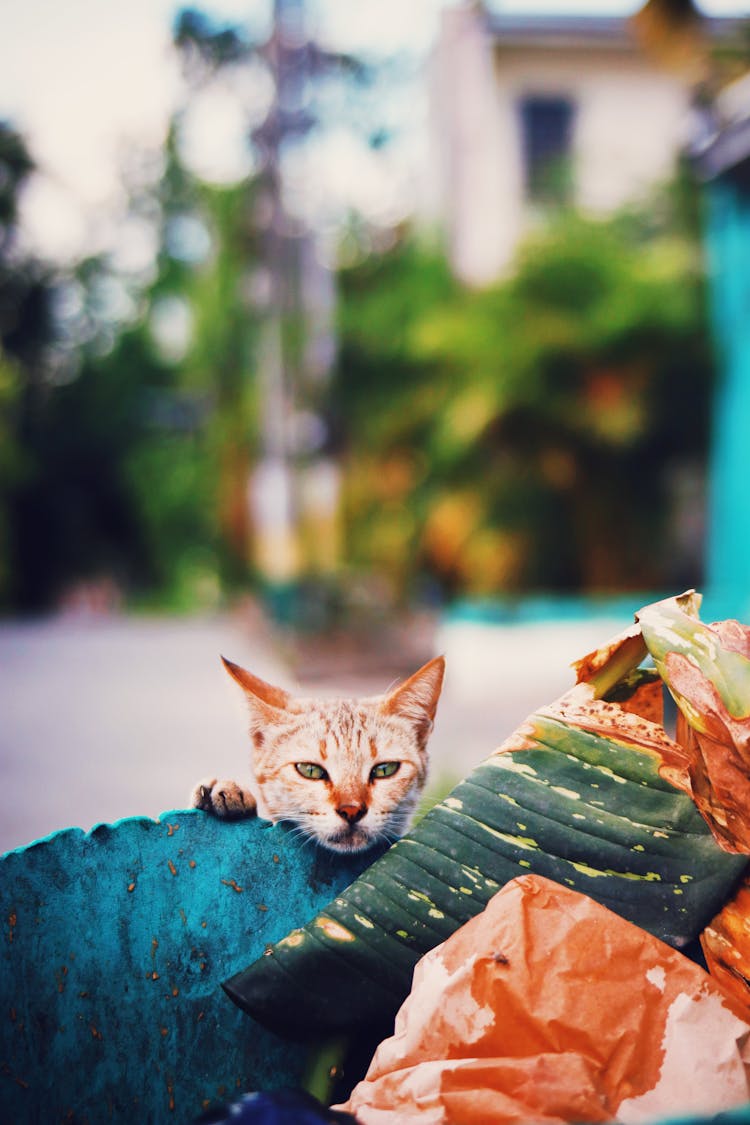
108, 717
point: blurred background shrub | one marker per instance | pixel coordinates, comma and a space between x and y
546, 431
534, 434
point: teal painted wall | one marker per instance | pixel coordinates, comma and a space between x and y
728, 547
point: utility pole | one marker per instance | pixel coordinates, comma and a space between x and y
274, 493
277, 498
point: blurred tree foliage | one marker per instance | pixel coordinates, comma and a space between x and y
187, 477
530, 435
26, 337
128, 412
126, 403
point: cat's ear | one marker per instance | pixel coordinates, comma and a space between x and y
416, 699
257, 691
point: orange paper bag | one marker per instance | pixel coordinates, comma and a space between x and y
547, 1007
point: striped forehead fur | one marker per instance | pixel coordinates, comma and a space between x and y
345, 720
348, 722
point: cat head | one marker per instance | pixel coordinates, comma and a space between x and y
347, 772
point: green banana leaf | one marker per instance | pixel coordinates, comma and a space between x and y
576, 794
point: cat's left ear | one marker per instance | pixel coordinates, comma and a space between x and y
257, 690
416, 699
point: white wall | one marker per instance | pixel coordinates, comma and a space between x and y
630, 120
479, 186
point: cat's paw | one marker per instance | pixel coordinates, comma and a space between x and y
226, 799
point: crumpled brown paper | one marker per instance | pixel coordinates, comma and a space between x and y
726, 945
547, 1007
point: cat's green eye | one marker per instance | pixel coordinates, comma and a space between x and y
384, 769
311, 770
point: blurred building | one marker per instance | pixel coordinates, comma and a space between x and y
530, 112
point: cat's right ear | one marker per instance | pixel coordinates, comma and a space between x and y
258, 692
417, 698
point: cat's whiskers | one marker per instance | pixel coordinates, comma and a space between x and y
298, 832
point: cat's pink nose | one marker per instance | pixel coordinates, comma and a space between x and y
351, 813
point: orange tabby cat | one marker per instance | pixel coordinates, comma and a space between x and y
347, 772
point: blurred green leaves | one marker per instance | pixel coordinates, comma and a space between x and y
126, 404
11, 462
538, 423
531, 435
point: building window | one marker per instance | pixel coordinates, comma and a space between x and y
547, 144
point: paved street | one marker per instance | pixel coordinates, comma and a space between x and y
102, 718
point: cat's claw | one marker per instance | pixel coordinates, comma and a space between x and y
225, 799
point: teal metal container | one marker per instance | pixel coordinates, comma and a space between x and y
114, 944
